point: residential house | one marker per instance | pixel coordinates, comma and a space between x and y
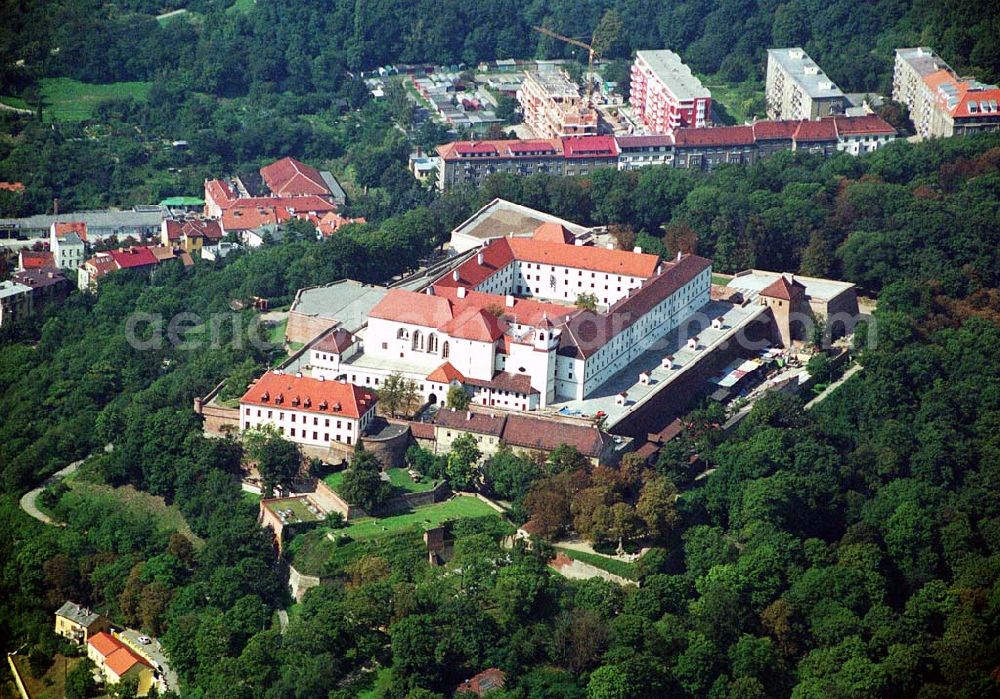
482, 684
190, 234
15, 302
47, 284
135, 257
67, 241
35, 259
116, 662
78, 623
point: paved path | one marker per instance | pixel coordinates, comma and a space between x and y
19, 110
29, 500
282, 620
152, 651
834, 386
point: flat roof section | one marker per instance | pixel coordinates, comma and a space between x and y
752, 281
668, 67
501, 218
346, 301
806, 73
674, 343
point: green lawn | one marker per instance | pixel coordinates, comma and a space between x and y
276, 333
240, 6
15, 102
721, 279
611, 565
399, 478
422, 518
739, 102
71, 100
300, 513
251, 498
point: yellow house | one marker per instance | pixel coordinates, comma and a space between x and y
78, 623
116, 662
189, 234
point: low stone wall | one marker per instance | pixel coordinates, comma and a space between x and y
303, 327
21, 688
328, 498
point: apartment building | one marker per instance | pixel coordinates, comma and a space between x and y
67, 241
666, 95
941, 103
15, 302
797, 88
553, 106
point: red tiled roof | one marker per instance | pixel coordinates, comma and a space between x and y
130, 258
474, 324
121, 660
782, 288
589, 258
162, 252
587, 331
65, 227
547, 435
484, 682
289, 177
962, 108
496, 256
422, 430
524, 311
822, 130
718, 136
478, 148
505, 381
193, 228
863, 125
774, 130
538, 146
500, 149
413, 308
553, 233
245, 219
104, 643
337, 341
311, 395
589, 146
12, 187
645, 141
219, 191
466, 420
446, 373
36, 259
332, 221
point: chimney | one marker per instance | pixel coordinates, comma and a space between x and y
637, 250
480, 258
509, 301
429, 291
461, 292
667, 362
321, 377
55, 206
679, 255
298, 374
454, 275
343, 379
468, 415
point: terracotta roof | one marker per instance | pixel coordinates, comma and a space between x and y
219, 191
193, 228
246, 219
496, 255
585, 257
101, 264
589, 147
468, 421
413, 308
422, 430
782, 288
446, 373
523, 312
588, 331
863, 125
811, 131
938, 78
12, 186
474, 324
654, 141
506, 381
527, 146
121, 660
310, 395
36, 259
484, 682
337, 341
104, 643
132, 257
162, 252
717, 136
547, 435
332, 221
289, 177
783, 130
65, 227
538, 148
553, 233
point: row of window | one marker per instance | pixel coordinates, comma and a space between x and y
281, 416
304, 434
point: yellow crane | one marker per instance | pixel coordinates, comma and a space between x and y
591, 53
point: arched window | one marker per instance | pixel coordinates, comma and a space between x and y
401, 334
418, 340
444, 350
432, 343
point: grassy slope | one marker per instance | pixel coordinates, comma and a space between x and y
71, 100
458, 507
399, 478
616, 567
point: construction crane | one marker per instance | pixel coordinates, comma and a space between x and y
591, 53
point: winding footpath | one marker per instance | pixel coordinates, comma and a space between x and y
29, 499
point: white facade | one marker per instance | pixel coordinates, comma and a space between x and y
306, 427
68, 251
